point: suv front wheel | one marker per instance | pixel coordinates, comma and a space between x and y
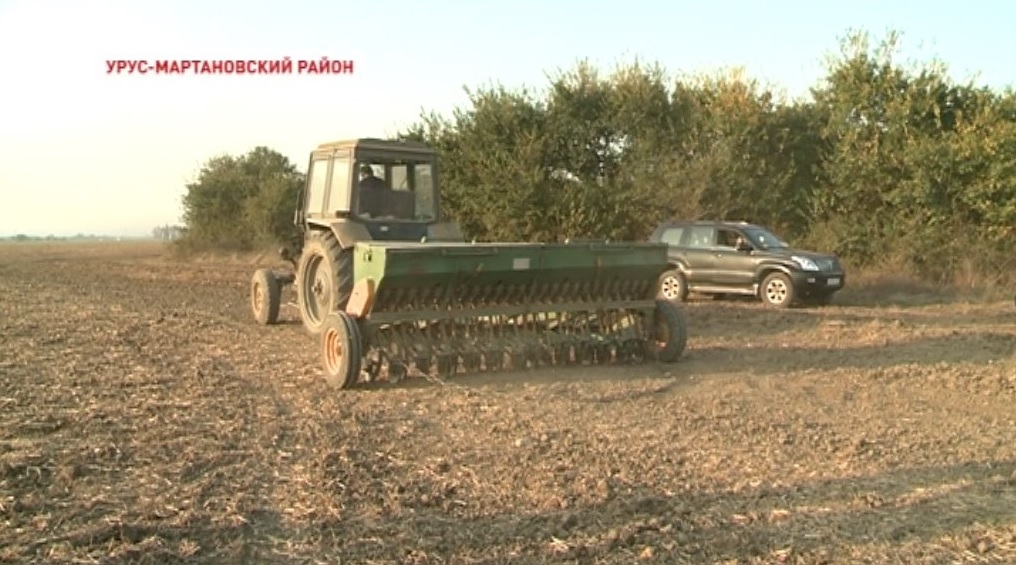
777, 290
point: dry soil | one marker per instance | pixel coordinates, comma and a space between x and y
144, 417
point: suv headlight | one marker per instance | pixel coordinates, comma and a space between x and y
805, 263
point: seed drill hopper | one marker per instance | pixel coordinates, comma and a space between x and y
391, 289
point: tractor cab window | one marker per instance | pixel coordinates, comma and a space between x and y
395, 190
338, 190
423, 193
315, 198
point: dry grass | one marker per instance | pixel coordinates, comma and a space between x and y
882, 286
144, 418
895, 286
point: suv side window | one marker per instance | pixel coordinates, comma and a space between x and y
700, 236
727, 238
672, 236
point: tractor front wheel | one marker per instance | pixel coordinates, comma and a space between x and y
324, 280
341, 350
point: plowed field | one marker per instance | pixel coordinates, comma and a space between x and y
145, 418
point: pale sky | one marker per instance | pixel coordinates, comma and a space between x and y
83, 151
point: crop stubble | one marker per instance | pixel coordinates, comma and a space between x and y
144, 417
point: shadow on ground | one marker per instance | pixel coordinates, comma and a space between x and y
941, 514
979, 348
750, 322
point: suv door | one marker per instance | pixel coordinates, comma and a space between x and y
697, 243
732, 267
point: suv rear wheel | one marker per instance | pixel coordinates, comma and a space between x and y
672, 286
777, 290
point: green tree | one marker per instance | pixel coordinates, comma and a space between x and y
885, 163
611, 155
239, 203
492, 179
747, 155
917, 170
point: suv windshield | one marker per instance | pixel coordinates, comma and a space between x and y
395, 189
764, 239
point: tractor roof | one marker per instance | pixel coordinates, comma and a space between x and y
375, 144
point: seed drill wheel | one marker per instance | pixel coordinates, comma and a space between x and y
670, 331
341, 350
265, 296
324, 279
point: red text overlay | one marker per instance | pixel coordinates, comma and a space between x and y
322, 66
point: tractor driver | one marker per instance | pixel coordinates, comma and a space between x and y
372, 192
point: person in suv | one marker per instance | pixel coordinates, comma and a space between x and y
720, 258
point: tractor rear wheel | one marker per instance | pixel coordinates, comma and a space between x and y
324, 280
670, 331
265, 296
341, 350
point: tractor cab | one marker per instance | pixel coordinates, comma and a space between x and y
357, 191
389, 187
